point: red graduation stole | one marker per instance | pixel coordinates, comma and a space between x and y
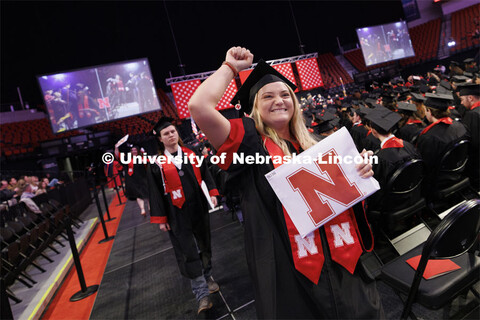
173, 184
446, 120
393, 143
475, 105
311, 265
412, 121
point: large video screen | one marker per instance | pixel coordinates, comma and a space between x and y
88, 96
385, 43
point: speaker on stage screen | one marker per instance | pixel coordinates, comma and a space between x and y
385, 43
84, 97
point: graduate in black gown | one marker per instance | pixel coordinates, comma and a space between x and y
180, 207
441, 134
470, 98
293, 277
392, 154
411, 125
135, 178
358, 130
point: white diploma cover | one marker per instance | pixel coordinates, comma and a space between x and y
323, 183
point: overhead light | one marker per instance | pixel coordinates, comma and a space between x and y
451, 42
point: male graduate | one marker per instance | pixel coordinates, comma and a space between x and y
392, 154
442, 132
180, 207
470, 98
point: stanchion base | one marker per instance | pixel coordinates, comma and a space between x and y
80, 295
106, 239
111, 219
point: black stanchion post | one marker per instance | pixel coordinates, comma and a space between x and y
106, 204
100, 214
6, 310
117, 189
85, 291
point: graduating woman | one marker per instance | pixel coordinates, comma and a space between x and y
179, 206
293, 277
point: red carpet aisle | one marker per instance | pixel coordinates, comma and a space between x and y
94, 258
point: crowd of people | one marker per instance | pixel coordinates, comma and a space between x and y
15, 189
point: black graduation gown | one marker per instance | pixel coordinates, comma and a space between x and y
434, 143
359, 133
471, 120
190, 225
389, 160
135, 184
410, 131
371, 143
281, 292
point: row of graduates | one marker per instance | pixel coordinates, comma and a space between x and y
430, 122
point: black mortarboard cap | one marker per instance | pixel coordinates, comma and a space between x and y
438, 101
446, 84
469, 89
383, 118
418, 97
443, 90
262, 74
161, 124
325, 116
454, 63
468, 60
459, 79
324, 127
424, 88
404, 106
468, 74
363, 111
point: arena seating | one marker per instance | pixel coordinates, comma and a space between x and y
463, 26
425, 40
356, 59
332, 71
23, 137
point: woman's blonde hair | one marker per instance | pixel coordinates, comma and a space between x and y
298, 130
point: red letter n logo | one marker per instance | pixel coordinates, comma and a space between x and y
321, 189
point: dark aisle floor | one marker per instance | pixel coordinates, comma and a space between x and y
142, 280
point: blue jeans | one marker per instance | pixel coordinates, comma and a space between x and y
199, 287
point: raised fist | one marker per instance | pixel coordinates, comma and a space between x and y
240, 58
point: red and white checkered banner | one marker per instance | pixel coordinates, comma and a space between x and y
309, 74
286, 70
244, 75
182, 92
224, 103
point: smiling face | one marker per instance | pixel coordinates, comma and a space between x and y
275, 104
169, 136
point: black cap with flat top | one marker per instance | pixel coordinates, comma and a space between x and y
469, 89
418, 97
406, 107
438, 101
262, 74
161, 124
383, 118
